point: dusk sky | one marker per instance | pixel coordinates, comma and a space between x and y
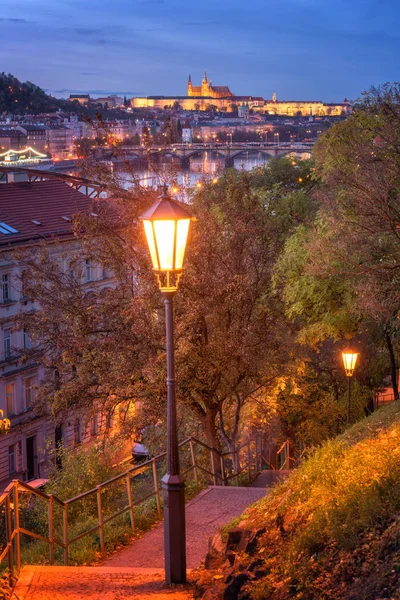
302, 49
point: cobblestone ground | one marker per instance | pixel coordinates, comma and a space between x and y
96, 583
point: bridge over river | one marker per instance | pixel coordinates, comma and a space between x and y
184, 152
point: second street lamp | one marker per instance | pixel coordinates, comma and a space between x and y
349, 361
166, 226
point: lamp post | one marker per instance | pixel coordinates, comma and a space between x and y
166, 225
349, 361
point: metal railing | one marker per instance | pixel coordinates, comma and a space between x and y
206, 464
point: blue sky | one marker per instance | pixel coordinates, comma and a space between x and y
302, 49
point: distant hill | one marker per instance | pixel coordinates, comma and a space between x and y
17, 97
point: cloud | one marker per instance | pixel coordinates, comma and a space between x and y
201, 23
15, 20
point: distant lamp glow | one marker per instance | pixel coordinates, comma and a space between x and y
349, 361
166, 225
215, 180
198, 184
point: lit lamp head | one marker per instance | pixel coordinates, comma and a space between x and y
166, 225
349, 361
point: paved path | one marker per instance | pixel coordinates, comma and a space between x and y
136, 572
207, 512
96, 583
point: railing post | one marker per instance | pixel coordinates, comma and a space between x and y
213, 470
51, 528
100, 518
222, 470
156, 489
9, 537
130, 501
193, 455
248, 461
65, 533
16, 524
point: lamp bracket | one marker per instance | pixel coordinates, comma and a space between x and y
168, 281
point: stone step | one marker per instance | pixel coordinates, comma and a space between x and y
269, 477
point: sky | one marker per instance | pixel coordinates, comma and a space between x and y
300, 49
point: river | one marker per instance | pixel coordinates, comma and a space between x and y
208, 164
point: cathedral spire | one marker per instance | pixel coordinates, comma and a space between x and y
190, 79
205, 77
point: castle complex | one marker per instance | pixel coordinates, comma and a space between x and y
206, 95
207, 90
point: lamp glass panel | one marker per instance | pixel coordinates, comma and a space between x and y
148, 228
165, 240
182, 231
349, 360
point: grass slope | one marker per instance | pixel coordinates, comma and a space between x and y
333, 528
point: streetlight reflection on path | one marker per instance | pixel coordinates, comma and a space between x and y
166, 226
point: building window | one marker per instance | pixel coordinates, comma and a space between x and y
110, 420
27, 340
77, 431
94, 426
89, 270
10, 399
29, 391
7, 343
5, 287
12, 463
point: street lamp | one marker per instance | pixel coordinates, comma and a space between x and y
166, 225
349, 361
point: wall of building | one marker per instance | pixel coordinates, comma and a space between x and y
23, 450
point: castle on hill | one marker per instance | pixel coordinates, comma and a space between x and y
207, 90
206, 96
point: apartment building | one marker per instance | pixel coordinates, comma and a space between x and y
36, 136
31, 213
60, 141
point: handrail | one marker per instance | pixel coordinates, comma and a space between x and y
214, 471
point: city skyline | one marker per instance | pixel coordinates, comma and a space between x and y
302, 50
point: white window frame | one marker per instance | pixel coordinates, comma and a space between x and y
77, 431
94, 426
7, 340
11, 408
30, 384
89, 270
5, 287
27, 339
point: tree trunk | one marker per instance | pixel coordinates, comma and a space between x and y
210, 431
393, 365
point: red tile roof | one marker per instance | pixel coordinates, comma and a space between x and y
46, 202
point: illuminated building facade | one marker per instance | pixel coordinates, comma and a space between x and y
207, 95
207, 90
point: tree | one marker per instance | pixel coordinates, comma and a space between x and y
358, 162
230, 328
232, 340
338, 274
